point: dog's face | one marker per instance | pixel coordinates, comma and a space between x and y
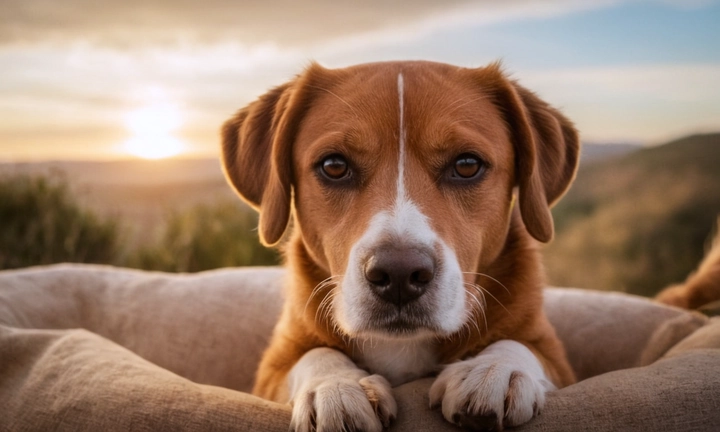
403, 177
403, 182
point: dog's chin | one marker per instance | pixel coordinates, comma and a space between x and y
393, 324
398, 330
394, 334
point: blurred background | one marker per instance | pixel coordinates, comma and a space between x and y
110, 112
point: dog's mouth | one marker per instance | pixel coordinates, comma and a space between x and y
409, 322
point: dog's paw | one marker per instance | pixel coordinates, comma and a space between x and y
504, 385
344, 403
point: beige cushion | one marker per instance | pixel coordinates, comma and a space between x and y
679, 394
209, 327
607, 331
74, 380
198, 333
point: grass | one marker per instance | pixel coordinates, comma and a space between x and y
43, 224
205, 237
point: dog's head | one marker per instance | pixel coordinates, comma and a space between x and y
402, 177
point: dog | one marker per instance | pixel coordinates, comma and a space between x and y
418, 193
702, 287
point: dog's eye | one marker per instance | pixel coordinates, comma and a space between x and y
467, 167
335, 167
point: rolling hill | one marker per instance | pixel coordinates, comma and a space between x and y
639, 221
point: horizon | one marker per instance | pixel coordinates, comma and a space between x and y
216, 155
597, 152
121, 81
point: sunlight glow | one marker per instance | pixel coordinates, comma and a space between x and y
152, 127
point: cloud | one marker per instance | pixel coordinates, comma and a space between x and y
290, 23
130, 23
72, 69
644, 103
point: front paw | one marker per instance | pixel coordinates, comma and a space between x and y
344, 403
504, 385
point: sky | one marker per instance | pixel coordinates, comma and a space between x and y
82, 79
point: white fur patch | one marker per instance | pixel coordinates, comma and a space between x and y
505, 374
328, 390
399, 361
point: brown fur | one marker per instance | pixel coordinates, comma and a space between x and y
702, 287
270, 147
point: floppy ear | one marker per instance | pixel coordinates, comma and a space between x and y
257, 153
547, 149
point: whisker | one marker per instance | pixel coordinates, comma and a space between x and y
481, 309
481, 289
470, 317
459, 121
324, 308
319, 287
338, 97
463, 101
491, 278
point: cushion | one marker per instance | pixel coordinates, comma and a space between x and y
87, 347
75, 380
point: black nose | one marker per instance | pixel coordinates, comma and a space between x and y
399, 276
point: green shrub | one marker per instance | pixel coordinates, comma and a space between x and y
40, 223
206, 237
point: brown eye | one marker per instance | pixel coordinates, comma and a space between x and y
467, 166
335, 167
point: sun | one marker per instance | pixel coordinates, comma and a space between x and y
153, 130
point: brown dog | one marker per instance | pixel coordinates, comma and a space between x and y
407, 250
702, 287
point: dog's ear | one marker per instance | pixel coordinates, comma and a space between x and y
257, 152
547, 149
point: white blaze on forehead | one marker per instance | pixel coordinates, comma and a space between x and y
407, 221
401, 139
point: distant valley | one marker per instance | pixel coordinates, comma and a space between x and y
638, 221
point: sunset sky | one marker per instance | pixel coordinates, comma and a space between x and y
86, 79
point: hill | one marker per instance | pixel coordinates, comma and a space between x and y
595, 152
639, 221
